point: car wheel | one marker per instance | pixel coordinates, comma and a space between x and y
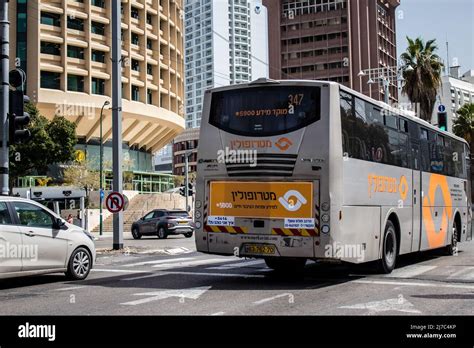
135, 233
452, 248
286, 264
162, 233
80, 264
188, 235
389, 249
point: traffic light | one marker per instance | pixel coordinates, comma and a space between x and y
190, 189
443, 121
18, 118
181, 191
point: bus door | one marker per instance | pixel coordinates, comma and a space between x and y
416, 197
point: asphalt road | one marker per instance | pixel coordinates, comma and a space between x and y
155, 277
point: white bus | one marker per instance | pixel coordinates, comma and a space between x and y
296, 170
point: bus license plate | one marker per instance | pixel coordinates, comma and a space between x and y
260, 249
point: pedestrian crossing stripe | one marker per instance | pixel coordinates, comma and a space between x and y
226, 229
296, 232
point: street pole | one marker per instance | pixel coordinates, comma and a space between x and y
186, 178
117, 119
101, 161
386, 90
4, 105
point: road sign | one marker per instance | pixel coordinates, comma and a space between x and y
441, 108
115, 202
102, 194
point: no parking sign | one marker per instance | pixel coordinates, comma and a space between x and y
115, 202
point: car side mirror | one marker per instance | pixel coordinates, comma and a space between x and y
58, 223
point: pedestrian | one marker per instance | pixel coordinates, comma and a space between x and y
70, 219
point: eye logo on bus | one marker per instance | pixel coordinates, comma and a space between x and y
436, 230
283, 144
292, 200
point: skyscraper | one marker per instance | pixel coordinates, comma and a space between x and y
332, 40
225, 43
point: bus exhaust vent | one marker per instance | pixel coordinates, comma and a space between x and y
265, 165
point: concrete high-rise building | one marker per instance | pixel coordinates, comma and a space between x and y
225, 43
332, 40
65, 48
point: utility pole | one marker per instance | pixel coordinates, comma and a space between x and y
117, 118
186, 178
4, 105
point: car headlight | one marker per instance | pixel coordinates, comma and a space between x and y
91, 237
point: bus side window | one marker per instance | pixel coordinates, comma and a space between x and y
425, 150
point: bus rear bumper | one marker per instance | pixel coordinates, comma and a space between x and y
254, 245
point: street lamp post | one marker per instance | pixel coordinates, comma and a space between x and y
101, 155
385, 76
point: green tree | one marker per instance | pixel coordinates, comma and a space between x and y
80, 175
51, 142
422, 69
463, 125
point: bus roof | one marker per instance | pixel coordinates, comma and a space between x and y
382, 105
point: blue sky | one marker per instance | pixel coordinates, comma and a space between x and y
438, 19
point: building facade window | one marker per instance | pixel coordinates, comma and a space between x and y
75, 52
75, 23
98, 86
97, 28
75, 83
98, 56
50, 80
50, 48
135, 93
50, 19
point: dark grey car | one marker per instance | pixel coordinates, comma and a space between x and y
162, 222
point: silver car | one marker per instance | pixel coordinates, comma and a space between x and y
34, 240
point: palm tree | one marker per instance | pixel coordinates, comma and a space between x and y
422, 74
463, 125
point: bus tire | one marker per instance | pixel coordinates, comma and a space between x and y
286, 264
389, 249
452, 249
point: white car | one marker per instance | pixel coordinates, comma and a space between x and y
34, 240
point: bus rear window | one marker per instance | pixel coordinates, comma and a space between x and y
265, 111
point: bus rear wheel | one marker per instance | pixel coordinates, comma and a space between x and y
286, 264
389, 249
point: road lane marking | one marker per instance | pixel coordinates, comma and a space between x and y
177, 251
454, 286
160, 274
117, 270
189, 263
70, 288
399, 304
237, 265
465, 273
191, 293
143, 263
230, 275
218, 313
410, 271
287, 294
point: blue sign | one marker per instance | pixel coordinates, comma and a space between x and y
102, 194
441, 108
